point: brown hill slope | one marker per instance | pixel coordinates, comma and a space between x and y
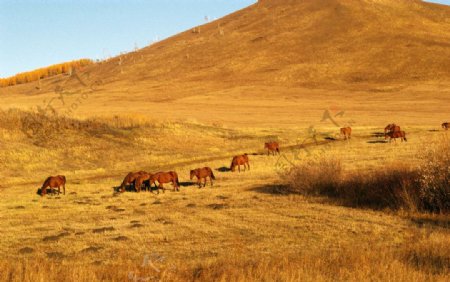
320, 43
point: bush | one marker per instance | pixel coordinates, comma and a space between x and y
435, 178
424, 188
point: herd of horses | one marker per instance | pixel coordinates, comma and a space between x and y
143, 179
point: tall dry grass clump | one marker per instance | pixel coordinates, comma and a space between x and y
422, 188
434, 177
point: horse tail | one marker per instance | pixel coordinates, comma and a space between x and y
212, 175
232, 165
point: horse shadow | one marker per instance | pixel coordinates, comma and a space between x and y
223, 169
48, 191
377, 134
377, 141
186, 184
130, 188
330, 138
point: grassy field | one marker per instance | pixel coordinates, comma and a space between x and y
245, 227
286, 71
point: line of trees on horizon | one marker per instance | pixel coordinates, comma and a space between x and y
37, 74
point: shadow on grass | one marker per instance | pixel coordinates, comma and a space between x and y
377, 141
48, 191
272, 189
187, 184
377, 134
223, 169
443, 222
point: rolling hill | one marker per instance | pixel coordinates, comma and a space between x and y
271, 47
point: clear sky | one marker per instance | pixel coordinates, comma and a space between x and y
37, 33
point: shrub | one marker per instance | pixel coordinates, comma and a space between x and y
424, 188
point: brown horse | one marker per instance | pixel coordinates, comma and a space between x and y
391, 128
394, 135
141, 179
238, 161
130, 179
272, 147
445, 125
347, 132
203, 173
165, 177
54, 182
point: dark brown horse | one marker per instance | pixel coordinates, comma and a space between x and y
394, 135
130, 179
445, 125
143, 178
165, 177
238, 161
54, 182
272, 147
391, 128
203, 173
347, 132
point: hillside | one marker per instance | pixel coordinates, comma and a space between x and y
298, 43
287, 53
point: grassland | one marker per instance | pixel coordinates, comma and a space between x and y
244, 228
291, 71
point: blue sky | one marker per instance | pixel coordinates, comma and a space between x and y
37, 33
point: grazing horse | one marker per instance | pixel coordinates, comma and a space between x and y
142, 178
238, 161
130, 179
203, 173
272, 147
391, 128
165, 177
347, 132
445, 125
394, 135
54, 182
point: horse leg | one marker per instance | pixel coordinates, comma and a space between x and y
199, 183
239, 168
204, 185
210, 179
248, 164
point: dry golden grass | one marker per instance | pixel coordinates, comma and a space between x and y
241, 229
196, 100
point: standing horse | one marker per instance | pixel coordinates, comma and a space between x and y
272, 147
238, 161
165, 177
203, 173
445, 125
394, 135
54, 182
143, 178
130, 179
347, 132
391, 128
